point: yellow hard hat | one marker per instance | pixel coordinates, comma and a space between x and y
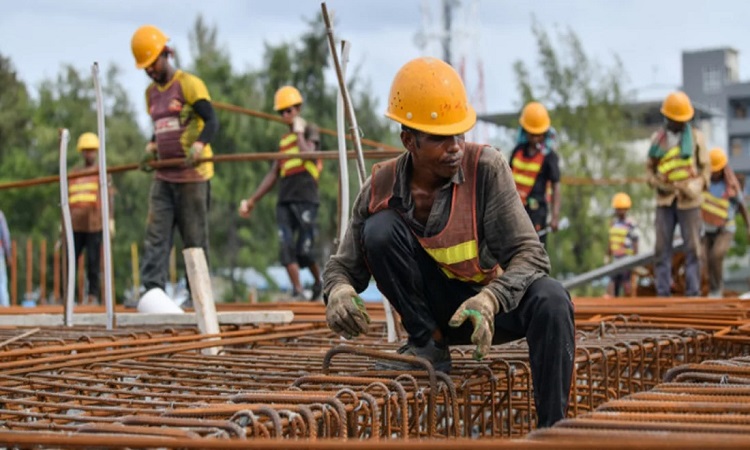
677, 107
147, 44
285, 97
621, 200
718, 159
535, 118
428, 95
88, 141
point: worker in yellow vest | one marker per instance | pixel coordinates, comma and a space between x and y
86, 214
298, 200
677, 168
447, 240
721, 202
185, 125
536, 168
623, 242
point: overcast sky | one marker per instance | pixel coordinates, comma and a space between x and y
41, 35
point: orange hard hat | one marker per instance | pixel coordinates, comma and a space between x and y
535, 118
677, 107
88, 141
428, 95
147, 44
285, 97
621, 200
718, 159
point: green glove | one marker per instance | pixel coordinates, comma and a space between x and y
146, 159
191, 160
481, 309
346, 313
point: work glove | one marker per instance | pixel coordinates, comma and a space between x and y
191, 159
346, 313
481, 309
148, 156
298, 125
246, 207
691, 188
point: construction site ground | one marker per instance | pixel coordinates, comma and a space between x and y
662, 373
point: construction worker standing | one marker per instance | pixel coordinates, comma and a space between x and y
721, 202
297, 204
623, 242
444, 234
86, 214
536, 167
184, 126
677, 168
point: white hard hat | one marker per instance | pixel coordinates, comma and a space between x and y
156, 301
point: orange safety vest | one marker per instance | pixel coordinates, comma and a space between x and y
619, 245
715, 210
525, 171
83, 192
288, 145
456, 247
674, 167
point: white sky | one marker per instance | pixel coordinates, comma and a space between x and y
41, 35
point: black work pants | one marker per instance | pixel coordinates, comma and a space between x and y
173, 205
426, 299
92, 243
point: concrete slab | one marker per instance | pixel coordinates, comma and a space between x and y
137, 319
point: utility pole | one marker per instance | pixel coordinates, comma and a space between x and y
448, 6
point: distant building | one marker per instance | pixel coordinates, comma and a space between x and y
711, 78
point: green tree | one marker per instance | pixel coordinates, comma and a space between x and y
586, 102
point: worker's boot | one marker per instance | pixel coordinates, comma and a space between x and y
317, 290
438, 355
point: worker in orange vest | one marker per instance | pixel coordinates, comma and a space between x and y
721, 202
677, 168
298, 200
86, 214
185, 124
623, 242
536, 167
447, 240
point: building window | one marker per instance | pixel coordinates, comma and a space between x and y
712, 80
736, 147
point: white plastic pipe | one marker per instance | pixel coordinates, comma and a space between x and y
104, 196
343, 160
67, 229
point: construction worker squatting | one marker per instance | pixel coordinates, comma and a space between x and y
444, 234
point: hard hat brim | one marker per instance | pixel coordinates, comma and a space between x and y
440, 130
679, 117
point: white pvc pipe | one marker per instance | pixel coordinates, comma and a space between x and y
67, 229
343, 160
104, 196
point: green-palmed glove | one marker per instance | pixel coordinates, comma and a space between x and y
195, 152
346, 313
148, 156
481, 310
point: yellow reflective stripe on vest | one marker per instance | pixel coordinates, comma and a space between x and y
455, 254
716, 206
523, 179
78, 187
287, 140
676, 168
530, 166
83, 197
475, 279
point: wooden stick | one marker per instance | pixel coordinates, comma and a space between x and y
20, 336
202, 294
262, 156
273, 118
